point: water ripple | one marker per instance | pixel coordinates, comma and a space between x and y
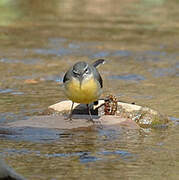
128, 77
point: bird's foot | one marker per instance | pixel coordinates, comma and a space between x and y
69, 119
97, 123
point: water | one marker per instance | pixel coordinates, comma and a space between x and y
41, 39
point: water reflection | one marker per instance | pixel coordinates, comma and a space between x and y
129, 152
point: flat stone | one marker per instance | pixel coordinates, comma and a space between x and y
128, 116
8, 173
79, 121
66, 106
145, 117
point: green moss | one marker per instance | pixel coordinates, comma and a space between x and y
146, 118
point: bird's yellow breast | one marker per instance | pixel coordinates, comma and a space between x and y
88, 92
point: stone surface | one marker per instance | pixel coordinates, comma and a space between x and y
128, 116
143, 116
66, 106
79, 121
7, 173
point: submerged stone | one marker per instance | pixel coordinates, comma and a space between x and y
142, 116
7, 173
127, 115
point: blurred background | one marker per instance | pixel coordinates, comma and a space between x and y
41, 39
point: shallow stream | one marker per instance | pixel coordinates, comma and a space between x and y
40, 40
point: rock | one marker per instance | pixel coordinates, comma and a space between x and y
143, 116
66, 106
79, 121
7, 173
128, 116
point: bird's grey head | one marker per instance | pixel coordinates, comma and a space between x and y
81, 69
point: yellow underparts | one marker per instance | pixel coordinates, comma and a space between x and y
88, 92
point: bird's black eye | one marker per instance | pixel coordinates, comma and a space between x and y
86, 71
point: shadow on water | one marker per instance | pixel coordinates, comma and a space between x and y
40, 40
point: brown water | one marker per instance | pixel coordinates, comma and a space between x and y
40, 40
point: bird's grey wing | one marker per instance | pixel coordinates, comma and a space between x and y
100, 80
98, 62
67, 76
98, 76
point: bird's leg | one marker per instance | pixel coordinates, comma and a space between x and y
71, 111
89, 111
91, 119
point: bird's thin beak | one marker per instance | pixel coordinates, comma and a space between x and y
81, 79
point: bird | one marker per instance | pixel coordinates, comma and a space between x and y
83, 84
7, 173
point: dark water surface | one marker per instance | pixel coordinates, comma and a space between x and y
41, 39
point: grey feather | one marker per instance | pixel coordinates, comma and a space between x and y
81, 66
98, 62
97, 76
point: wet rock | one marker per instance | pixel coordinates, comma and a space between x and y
7, 173
148, 118
143, 116
79, 121
128, 116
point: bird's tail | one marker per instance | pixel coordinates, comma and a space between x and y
98, 62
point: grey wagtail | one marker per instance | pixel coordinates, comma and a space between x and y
83, 84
